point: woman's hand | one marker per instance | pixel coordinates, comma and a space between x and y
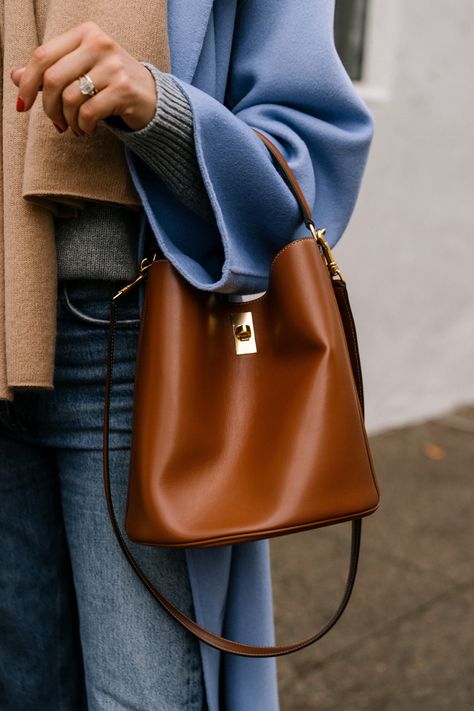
125, 86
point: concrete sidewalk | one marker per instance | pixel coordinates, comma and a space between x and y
406, 641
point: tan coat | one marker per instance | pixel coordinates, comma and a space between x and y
44, 173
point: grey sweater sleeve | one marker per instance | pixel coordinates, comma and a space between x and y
166, 144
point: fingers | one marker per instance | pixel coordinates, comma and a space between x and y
125, 87
82, 112
96, 108
61, 94
116, 95
50, 52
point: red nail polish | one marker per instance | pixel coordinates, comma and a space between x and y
20, 104
58, 128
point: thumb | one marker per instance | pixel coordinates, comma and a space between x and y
16, 75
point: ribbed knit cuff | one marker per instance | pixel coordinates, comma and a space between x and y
166, 144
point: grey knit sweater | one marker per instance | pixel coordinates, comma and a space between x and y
102, 242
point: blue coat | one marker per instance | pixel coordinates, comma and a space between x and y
269, 65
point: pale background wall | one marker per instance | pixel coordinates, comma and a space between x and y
408, 251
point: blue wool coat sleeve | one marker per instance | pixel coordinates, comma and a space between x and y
284, 78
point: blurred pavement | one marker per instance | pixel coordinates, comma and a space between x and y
406, 640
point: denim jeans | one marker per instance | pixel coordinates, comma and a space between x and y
77, 628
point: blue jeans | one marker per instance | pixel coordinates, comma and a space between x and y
77, 628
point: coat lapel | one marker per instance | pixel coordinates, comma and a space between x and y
187, 24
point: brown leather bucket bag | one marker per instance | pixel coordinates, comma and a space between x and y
248, 415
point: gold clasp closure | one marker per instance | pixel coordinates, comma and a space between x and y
320, 237
244, 333
145, 265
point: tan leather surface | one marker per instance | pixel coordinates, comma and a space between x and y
229, 447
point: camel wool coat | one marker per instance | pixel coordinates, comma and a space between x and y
270, 65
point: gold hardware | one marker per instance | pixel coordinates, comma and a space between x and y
319, 236
145, 265
244, 333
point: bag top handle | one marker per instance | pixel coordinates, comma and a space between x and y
289, 178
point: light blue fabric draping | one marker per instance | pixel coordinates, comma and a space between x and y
273, 66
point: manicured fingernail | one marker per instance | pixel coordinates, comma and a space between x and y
58, 128
20, 104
